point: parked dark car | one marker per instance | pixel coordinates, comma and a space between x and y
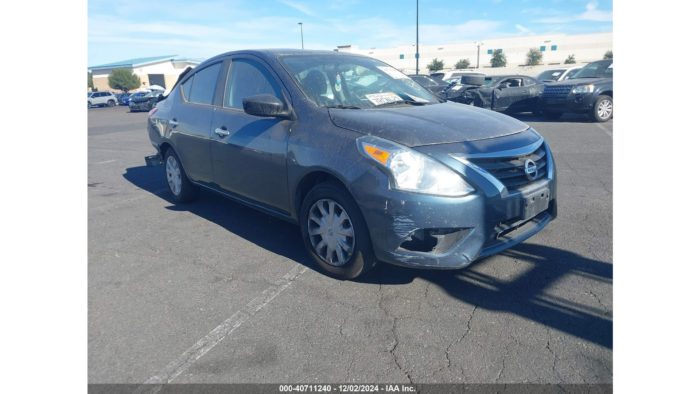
589, 91
122, 98
504, 93
127, 100
435, 85
144, 103
374, 170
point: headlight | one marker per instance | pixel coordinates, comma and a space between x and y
583, 89
412, 171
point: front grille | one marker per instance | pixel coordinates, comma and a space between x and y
510, 170
557, 89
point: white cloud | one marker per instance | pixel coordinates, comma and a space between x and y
524, 30
592, 13
304, 8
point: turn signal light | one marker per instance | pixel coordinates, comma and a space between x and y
380, 155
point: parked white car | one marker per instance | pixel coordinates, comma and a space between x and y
444, 75
557, 74
101, 99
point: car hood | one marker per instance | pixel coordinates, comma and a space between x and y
427, 125
579, 81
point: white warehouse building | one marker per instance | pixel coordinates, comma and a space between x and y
555, 49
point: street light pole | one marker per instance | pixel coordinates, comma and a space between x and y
417, 51
478, 52
301, 25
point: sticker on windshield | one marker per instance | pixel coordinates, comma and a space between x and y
382, 98
418, 99
396, 74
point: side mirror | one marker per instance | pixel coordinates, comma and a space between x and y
264, 105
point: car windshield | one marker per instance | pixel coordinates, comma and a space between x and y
353, 82
550, 75
595, 70
488, 81
89, 94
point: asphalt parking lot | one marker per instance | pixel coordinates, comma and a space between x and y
166, 282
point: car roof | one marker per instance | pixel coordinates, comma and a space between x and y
507, 76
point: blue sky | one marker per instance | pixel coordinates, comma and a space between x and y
125, 29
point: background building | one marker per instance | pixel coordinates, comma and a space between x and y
157, 70
555, 49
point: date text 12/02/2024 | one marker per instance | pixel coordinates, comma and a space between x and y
354, 388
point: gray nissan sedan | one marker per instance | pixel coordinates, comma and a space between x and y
370, 164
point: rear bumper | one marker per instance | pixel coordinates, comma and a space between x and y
576, 103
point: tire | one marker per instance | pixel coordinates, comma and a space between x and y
476, 80
361, 258
187, 191
110, 103
602, 110
89, 105
552, 115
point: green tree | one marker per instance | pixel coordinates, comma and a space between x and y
570, 60
462, 64
608, 55
436, 65
534, 57
498, 59
90, 85
123, 79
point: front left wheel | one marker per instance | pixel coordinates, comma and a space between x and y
602, 110
181, 189
335, 233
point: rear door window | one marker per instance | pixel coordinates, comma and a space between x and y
186, 87
204, 85
248, 78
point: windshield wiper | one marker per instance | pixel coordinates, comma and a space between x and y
401, 102
343, 107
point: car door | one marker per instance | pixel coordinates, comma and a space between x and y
509, 98
190, 120
249, 153
534, 91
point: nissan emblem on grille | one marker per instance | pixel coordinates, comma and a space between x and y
530, 169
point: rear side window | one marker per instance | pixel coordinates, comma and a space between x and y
248, 78
186, 87
204, 85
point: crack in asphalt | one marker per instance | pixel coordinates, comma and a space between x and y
393, 332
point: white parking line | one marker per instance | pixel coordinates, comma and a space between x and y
600, 126
180, 364
103, 162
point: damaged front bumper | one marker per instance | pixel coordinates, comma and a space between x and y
423, 231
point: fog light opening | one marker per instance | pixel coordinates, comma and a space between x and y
433, 241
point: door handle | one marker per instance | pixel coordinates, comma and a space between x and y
222, 132
173, 122
525, 91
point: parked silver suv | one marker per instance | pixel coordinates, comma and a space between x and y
102, 98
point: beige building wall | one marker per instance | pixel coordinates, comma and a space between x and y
169, 70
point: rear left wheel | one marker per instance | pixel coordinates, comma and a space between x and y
110, 103
335, 233
181, 189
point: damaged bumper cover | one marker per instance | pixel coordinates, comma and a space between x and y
423, 231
